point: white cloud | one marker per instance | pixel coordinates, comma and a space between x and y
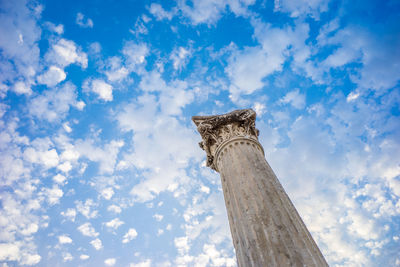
298, 8
210, 11
99, 87
54, 104
65, 52
158, 217
65, 167
180, 57
59, 29
352, 96
59, 179
80, 20
248, 68
49, 158
64, 239
106, 156
80, 105
130, 235
19, 47
110, 262
84, 257
115, 70
87, 208
114, 208
66, 127
87, 230
181, 243
52, 76
53, 194
67, 257
146, 263
259, 108
294, 98
115, 223
135, 55
159, 12
70, 214
97, 244
153, 132
70, 154
22, 88
9, 252
31, 259
107, 193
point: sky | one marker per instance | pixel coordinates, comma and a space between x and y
99, 158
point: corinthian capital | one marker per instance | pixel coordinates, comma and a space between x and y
218, 129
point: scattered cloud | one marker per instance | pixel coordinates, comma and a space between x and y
65, 52
87, 230
295, 99
97, 244
130, 235
110, 262
64, 239
114, 223
52, 76
82, 22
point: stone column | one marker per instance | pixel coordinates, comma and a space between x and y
265, 226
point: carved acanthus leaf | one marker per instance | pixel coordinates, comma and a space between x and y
217, 129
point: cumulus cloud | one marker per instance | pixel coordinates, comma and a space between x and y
54, 104
180, 57
49, 158
99, 87
53, 194
301, 8
135, 55
19, 48
65, 52
130, 235
159, 130
67, 257
107, 193
70, 214
64, 239
115, 71
159, 12
59, 29
52, 76
110, 261
80, 20
106, 155
114, 208
84, 257
248, 68
97, 244
145, 263
87, 230
22, 88
295, 99
87, 208
115, 223
209, 11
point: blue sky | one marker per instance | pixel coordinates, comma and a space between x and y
100, 163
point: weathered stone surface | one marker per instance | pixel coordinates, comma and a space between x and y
265, 226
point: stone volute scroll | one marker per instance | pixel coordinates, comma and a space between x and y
217, 131
265, 226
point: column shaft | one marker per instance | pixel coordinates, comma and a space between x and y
266, 228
